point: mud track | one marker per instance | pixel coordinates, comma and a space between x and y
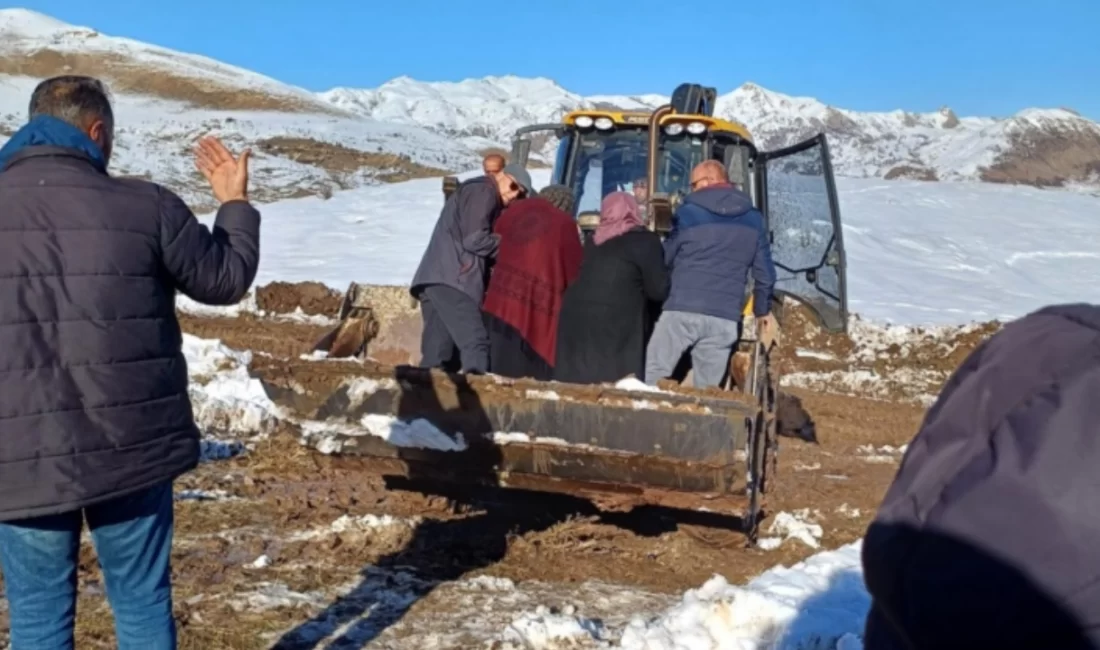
296, 510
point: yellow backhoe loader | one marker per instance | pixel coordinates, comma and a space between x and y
610, 443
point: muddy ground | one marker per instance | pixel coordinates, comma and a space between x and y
281, 547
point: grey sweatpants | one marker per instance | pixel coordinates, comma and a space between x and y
452, 320
710, 338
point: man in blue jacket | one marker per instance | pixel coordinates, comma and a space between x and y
717, 239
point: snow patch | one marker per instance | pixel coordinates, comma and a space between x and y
331, 436
799, 525
818, 603
268, 596
632, 383
224, 398
261, 562
883, 455
360, 389
848, 511
547, 630
351, 524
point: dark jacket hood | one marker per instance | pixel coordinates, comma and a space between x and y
724, 200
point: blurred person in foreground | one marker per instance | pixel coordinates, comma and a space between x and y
539, 257
988, 536
95, 420
605, 317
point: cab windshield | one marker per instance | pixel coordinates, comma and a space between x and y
613, 160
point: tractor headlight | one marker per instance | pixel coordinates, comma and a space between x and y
674, 129
696, 128
604, 123
584, 121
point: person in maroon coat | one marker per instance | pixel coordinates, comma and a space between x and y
539, 257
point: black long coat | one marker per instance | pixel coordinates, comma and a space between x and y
607, 314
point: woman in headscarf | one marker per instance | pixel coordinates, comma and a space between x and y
606, 317
539, 256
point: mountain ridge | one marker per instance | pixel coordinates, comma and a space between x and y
1035, 146
440, 126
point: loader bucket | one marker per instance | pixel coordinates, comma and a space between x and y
607, 444
617, 446
379, 322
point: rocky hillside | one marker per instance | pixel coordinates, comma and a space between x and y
1037, 147
317, 143
165, 99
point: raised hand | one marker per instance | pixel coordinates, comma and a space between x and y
228, 176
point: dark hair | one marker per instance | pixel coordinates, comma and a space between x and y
75, 99
560, 195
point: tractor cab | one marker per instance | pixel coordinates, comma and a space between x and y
600, 152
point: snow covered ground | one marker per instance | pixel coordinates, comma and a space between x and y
918, 253
954, 252
821, 598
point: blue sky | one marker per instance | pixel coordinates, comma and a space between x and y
981, 57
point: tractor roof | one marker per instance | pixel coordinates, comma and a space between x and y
641, 118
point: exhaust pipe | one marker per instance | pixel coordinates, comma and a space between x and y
651, 163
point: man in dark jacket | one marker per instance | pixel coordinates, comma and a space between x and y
95, 421
717, 240
450, 281
988, 536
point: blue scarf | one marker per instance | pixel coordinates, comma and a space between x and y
44, 130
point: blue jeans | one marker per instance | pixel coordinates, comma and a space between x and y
133, 541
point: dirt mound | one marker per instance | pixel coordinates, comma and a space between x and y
888, 362
285, 340
313, 298
340, 160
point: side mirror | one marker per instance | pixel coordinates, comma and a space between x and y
521, 151
660, 212
450, 184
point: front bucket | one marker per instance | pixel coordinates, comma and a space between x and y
379, 322
487, 429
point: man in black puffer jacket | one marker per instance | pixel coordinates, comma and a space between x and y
95, 421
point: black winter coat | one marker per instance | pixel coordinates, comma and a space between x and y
93, 383
607, 313
989, 536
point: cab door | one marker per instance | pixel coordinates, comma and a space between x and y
796, 192
527, 136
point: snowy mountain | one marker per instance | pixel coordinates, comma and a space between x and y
165, 99
1038, 147
317, 143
